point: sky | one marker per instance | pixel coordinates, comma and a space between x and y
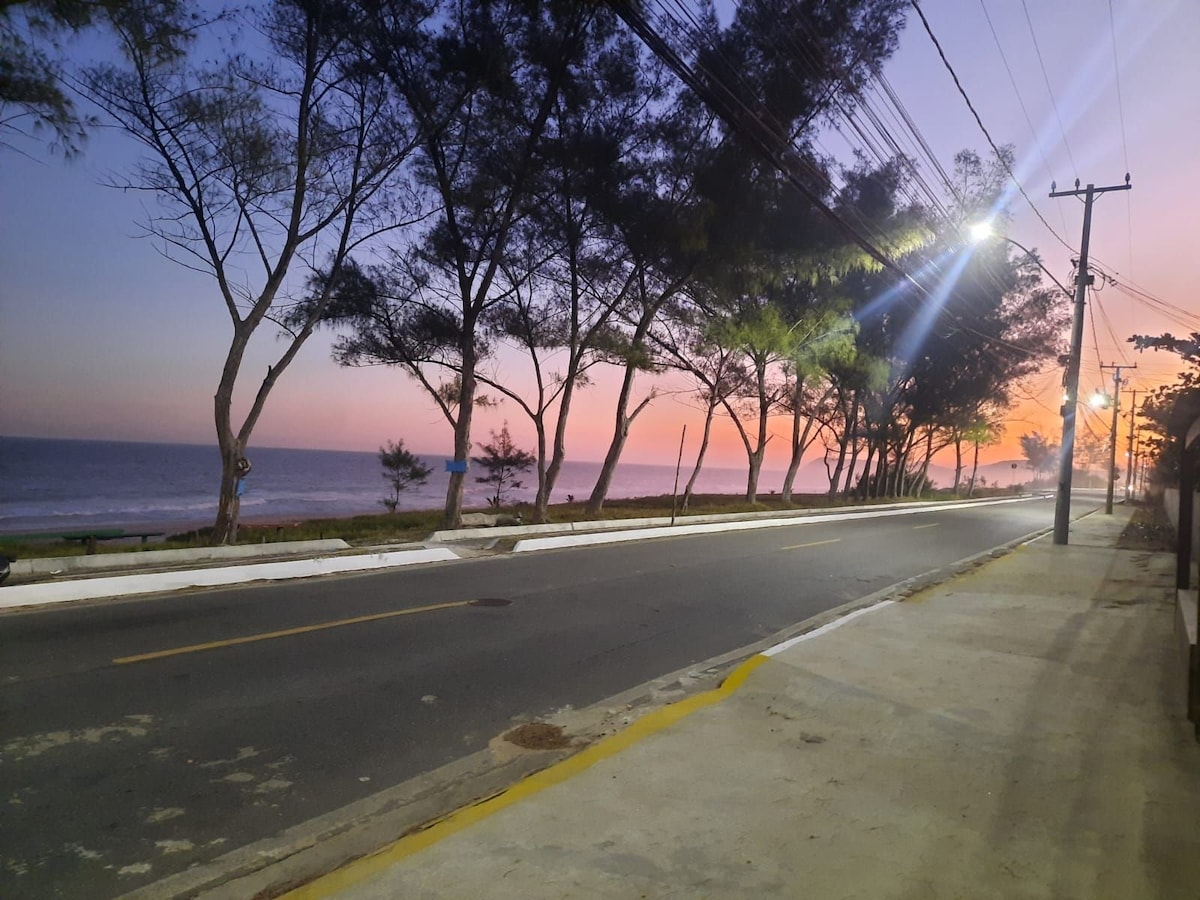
101, 337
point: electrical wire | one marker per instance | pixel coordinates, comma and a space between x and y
1049, 90
1037, 143
726, 103
983, 128
1112, 30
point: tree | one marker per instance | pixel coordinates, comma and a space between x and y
1156, 409
401, 469
504, 461
567, 276
33, 93
481, 81
981, 432
1040, 453
263, 168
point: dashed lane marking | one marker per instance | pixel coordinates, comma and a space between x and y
810, 544
286, 632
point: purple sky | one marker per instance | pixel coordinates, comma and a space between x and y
104, 338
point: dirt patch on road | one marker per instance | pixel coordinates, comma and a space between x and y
538, 736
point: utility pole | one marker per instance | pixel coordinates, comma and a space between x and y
1112, 438
1132, 430
1062, 502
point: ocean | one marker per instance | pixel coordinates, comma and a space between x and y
61, 485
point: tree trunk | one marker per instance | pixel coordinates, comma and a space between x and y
622, 421
974, 470
854, 450
761, 438
801, 441
708, 420
850, 420
864, 485
958, 463
230, 448
756, 461
462, 431
923, 477
542, 499
616, 445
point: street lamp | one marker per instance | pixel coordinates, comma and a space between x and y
1062, 499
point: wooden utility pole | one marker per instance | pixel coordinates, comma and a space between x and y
1112, 438
1062, 502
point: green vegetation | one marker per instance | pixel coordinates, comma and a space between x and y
401, 468
504, 461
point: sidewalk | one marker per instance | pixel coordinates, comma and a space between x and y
1016, 732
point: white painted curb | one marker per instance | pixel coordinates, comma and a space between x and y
826, 628
155, 582
638, 534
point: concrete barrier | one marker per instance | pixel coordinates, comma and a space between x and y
156, 582
149, 559
601, 525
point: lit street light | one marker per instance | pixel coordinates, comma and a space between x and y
1062, 500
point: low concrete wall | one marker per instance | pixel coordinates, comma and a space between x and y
1185, 637
1171, 505
467, 534
152, 558
18, 595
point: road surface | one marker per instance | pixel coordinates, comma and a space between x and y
142, 736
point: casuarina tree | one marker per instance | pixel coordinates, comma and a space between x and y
264, 171
401, 470
504, 461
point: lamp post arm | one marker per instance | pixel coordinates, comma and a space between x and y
1034, 257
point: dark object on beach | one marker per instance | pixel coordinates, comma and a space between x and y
5, 568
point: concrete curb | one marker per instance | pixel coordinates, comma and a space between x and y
56, 565
742, 524
152, 583
467, 534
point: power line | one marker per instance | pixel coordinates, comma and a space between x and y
983, 128
1050, 90
1117, 77
1112, 30
749, 125
1037, 143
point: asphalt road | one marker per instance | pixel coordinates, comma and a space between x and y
119, 766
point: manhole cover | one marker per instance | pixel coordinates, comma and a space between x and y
489, 601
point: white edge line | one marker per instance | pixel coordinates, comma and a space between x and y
19, 595
578, 540
826, 628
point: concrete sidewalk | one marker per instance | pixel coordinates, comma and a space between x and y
1016, 732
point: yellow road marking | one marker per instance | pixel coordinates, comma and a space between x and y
809, 544
931, 525
351, 874
287, 632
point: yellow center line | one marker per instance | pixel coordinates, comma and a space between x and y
930, 525
287, 632
810, 544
